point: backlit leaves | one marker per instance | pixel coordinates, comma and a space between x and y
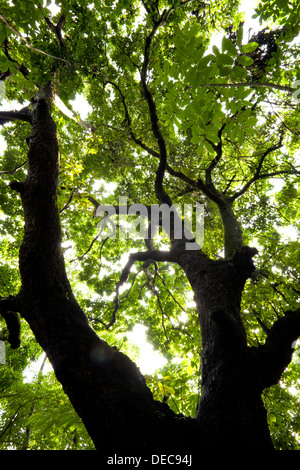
198, 89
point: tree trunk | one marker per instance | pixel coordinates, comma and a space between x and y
230, 409
105, 387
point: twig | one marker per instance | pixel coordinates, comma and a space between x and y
132, 135
155, 255
10, 172
69, 200
257, 175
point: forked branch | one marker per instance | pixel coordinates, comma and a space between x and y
258, 174
155, 255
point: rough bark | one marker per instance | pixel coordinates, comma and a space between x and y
105, 387
230, 409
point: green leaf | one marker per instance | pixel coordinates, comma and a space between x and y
209, 147
3, 33
250, 47
225, 59
240, 33
238, 72
228, 46
204, 61
215, 50
245, 60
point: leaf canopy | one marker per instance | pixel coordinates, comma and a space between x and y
206, 95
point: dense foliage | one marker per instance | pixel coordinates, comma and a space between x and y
239, 92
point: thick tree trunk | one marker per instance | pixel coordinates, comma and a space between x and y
230, 409
105, 387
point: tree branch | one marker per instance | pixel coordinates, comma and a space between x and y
10, 172
155, 255
56, 29
271, 359
219, 151
251, 84
160, 192
257, 175
67, 112
8, 308
132, 135
7, 23
24, 114
21, 68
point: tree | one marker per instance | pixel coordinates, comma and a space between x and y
170, 122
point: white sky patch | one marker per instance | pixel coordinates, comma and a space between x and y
251, 25
149, 359
247, 7
81, 106
55, 9
104, 187
34, 367
289, 233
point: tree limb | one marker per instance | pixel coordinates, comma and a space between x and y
154, 255
251, 84
132, 135
10, 172
23, 115
219, 151
69, 113
21, 68
257, 175
8, 308
160, 192
56, 29
7, 23
271, 359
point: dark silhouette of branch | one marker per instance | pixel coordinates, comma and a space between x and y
160, 192
56, 29
69, 200
69, 113
24, 114
21, 68
258, 175
271, 359
10, 172
128, 121
250, 84
8, 308
218, 148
